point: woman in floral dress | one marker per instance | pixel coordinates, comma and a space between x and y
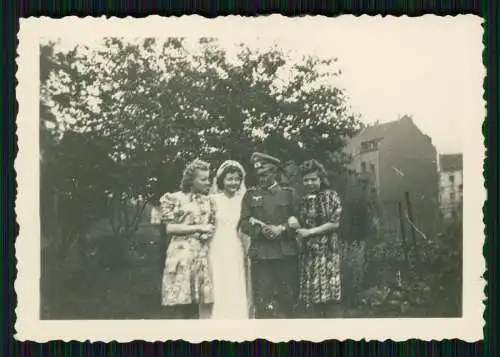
189, 216
320, 211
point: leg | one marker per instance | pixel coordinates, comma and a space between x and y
251, 312
333, 310
263, 289
317, 311
327, 310
181, 312
287, 287
205, 311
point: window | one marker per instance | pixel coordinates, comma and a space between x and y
460, 187
369, 146
372, 168
452, 196
451, 178
363, 166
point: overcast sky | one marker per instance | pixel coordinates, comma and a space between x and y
394, 66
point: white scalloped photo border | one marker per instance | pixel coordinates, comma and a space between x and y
28, 324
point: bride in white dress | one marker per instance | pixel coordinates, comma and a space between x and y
228, 257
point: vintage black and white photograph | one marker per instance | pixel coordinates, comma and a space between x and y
228, 173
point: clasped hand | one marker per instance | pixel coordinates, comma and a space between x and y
302, 233
272, 231
205, 230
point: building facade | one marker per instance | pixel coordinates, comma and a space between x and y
451, 185
397, 158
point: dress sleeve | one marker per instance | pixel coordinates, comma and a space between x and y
169, 208
334, 210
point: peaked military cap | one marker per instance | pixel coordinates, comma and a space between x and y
260, 160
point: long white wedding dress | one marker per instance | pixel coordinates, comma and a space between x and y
227, 260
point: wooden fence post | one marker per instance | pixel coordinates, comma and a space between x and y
413, 233
403, 237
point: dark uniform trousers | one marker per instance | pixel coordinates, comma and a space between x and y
274, 262
275, 287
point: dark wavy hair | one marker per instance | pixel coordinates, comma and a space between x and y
189, 173
311, 166
225, 172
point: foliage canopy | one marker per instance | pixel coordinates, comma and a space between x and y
120, 120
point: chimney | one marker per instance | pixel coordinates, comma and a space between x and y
407, 117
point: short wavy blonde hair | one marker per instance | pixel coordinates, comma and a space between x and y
189, 173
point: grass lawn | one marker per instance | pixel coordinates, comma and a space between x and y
109, 283
114, 283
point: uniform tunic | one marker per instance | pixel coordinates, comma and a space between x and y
274, 264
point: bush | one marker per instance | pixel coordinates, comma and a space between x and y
430, 285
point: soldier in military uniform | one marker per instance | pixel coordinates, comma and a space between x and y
268, 217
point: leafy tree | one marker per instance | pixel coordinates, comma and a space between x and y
70, 201
119, 122
132, 113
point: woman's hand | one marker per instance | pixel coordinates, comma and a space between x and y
205, 231
303, 233
206, 228
245, 241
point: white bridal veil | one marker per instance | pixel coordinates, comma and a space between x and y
220, 171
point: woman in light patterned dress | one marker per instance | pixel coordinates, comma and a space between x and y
189, 216
319, 260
